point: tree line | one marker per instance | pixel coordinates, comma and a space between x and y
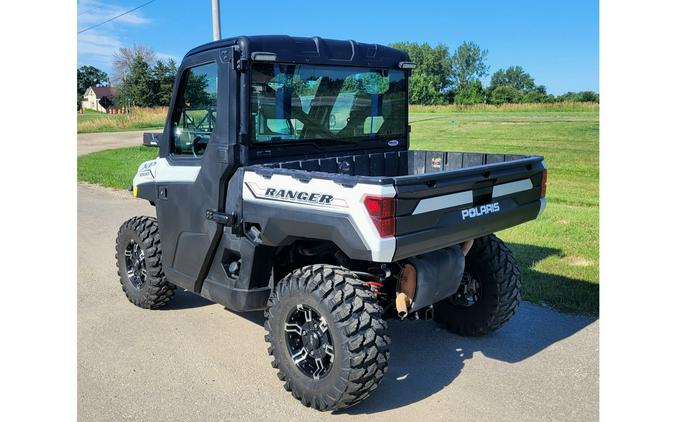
442, 78
439, 78
142, 79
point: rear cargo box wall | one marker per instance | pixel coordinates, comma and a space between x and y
422, 162
388, 164
396, 163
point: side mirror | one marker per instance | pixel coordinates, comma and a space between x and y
151, 139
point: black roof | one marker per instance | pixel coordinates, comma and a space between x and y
312, 50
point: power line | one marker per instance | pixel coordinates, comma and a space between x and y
115, 17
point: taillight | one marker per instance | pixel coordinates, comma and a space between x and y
383, 213
544, 178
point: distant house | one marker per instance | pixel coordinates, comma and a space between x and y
95, 96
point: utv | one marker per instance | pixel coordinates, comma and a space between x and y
285, 183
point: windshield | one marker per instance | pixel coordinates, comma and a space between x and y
302, 102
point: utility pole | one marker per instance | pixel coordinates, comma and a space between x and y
215, 15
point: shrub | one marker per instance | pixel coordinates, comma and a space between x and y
471, 93
537, 97
505, 94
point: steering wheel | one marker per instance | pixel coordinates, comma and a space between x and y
199, 145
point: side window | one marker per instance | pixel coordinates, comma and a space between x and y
194, 116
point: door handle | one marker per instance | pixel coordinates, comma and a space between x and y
163, 192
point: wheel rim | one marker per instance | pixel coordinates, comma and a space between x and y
468, 293
134, 259
309, 342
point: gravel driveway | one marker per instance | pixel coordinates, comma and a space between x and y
91, 142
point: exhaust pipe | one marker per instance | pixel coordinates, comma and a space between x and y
402, 303
466, 246
405, 290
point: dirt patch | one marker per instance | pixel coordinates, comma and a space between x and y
578, 261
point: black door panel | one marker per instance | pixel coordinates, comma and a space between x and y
187, 236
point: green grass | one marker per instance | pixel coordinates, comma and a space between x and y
113, 168
558, 253
507, 108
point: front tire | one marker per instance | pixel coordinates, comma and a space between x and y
326, 337
139, 264
489, 293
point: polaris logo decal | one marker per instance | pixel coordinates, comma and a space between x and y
297, 196
482, 210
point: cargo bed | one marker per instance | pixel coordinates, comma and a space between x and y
400, 163
442, 198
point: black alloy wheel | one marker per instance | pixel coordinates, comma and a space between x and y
138, 256
309, 341
468, 293
326, 336
488, 294
134, 260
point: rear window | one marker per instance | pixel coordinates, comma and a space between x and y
303, 102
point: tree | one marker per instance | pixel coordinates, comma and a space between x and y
430, 79
124, 58
90, 76
537, 96
515, 77
467, 64
583, 96
471, 93
568, 96
588, 96
505, 94
137, 86
163, 78
196, 92
423, 89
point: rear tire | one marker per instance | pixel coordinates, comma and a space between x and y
139, 264
354, 334
492, 265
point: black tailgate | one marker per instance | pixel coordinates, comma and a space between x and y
442, 208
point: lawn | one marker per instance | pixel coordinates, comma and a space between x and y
114, 168
558, 253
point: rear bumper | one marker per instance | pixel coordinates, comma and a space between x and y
452, 229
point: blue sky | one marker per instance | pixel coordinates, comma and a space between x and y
556, 42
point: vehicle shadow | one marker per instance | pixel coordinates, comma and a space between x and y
567, 293
186, 300
426, 358
256, 317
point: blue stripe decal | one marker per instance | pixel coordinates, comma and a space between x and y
375, 110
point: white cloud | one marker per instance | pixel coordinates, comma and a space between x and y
93, 43
96, 46
91, 12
